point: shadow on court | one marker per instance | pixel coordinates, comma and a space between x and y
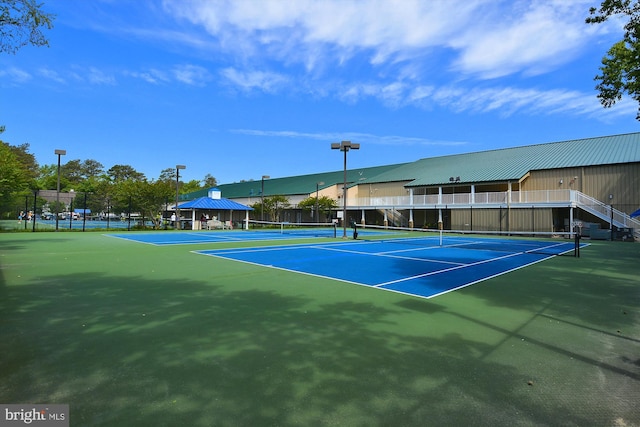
235, 345
124, 349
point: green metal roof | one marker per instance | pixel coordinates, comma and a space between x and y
303, 184
484, 166
514, 163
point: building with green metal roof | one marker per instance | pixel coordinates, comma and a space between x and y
558, 184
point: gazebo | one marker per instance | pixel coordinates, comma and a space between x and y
212, 204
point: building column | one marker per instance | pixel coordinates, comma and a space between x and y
570, 219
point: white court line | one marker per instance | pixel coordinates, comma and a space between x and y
388, 254
129, 239
285, 269
482, 279
446, 270
221, 254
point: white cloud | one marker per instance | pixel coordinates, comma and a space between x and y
153, 76
509, 100
15, 75
52, 75
490, 38
99, 77
533, 37
264, 81
351, 136
191, 74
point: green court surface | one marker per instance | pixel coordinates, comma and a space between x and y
129, 334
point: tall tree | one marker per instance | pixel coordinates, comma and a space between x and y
123, 172
190, 186
143, 197
325, 205
77, 171
15, 177
620, 66
273, 206
168, 174
210, 181
21, 24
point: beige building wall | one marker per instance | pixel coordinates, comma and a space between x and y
616, 184
521, 219
383, 189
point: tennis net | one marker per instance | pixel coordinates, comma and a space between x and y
308, 229
512, 242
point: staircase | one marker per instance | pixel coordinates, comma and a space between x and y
607, 213
394, 217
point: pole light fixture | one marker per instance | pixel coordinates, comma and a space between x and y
262, 197
178, 167
58, 153
318, 184
344, 146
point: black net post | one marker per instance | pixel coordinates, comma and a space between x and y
576, 249
35, 205
26, 218
84, 214
129, 216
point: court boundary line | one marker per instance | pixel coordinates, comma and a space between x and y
447, 270
281, 268
491, 276
389, 254
379, 286
220, 241
126, 239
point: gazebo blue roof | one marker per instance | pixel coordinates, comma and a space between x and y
208, 203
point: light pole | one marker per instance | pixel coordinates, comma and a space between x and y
58, 153
262, 197
318, 184
178, 167
344, 146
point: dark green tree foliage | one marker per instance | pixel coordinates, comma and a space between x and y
119, 173
121, 189
21, 24
621, 66
18, 173
78, 172
12, 174
273, 206
148, 198
325, 204
210, 181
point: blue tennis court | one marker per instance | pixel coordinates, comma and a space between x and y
419, 267
162, 238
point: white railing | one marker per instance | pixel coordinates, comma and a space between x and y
542, 196
493, 198
568, 198
606, 212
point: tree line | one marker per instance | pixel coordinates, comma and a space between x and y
121, 188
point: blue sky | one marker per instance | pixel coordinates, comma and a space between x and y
239, 89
